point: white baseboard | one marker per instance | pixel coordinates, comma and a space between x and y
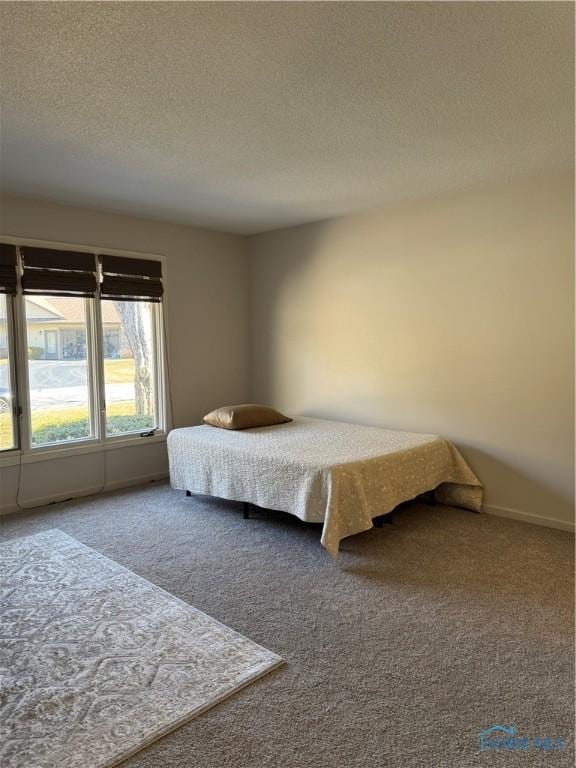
42, 501
527, 517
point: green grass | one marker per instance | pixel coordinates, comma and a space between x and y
5, 432
119, 371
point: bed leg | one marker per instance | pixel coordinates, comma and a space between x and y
188, 493
245, 510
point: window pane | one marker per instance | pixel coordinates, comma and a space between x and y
7, 431
129, 342
58, 369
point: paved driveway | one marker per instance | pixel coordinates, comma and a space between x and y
51, 397
57, 382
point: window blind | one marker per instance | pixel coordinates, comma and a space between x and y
58, 273
130, 279
8, 275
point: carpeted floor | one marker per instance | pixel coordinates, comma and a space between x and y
422, 635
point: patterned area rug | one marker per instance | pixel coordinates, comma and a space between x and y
96, 662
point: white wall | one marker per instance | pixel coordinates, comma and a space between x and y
453, 315
207, 320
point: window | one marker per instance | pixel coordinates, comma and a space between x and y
8, 287
91, 347
58, 370
7, 425
131, 290
130, 376
74, 343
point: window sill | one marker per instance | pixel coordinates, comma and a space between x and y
13, 458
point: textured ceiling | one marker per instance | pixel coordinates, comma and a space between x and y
250, 116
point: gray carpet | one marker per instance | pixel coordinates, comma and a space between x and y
425, 633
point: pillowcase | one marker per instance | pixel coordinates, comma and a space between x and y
245, 416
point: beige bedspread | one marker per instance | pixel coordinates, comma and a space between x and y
343, 475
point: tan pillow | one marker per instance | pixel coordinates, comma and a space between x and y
244, 417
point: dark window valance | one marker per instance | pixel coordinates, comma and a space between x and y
8, 261
130, 279
58, 273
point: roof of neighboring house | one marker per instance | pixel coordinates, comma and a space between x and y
66, 310
41, 308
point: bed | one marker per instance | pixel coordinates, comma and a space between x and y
341, 475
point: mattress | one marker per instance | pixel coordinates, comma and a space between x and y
341, 475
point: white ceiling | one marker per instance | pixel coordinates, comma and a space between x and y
250, 116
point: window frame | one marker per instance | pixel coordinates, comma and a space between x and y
11, 342
26, 452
